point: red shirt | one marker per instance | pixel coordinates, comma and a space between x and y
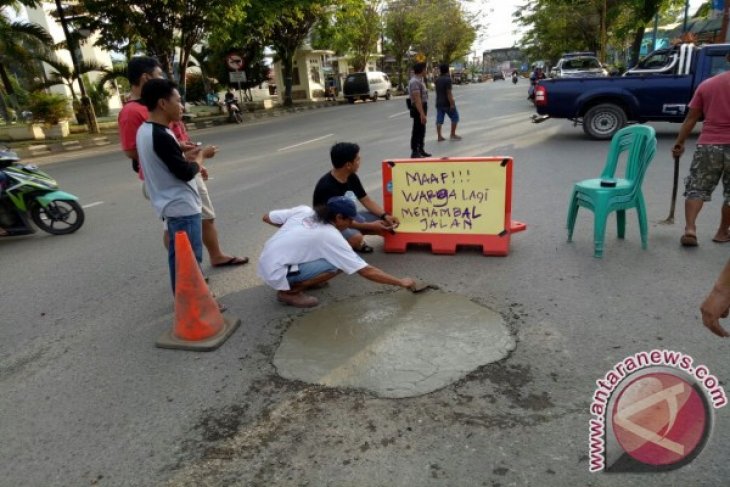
132, 115
713, 98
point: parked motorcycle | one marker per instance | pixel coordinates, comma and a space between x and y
30, 192
234, 112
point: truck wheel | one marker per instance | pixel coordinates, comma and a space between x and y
350, 99
604, 120
387, 95
375, 96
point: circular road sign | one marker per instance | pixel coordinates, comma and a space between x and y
235, 62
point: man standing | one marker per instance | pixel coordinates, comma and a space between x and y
134, 113
169, 176
342, 180
711, 159
445, 104
308, 250
419, 104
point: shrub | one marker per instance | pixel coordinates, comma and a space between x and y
194, 87
49, 109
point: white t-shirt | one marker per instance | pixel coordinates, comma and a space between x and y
302, 238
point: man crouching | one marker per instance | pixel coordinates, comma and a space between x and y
309, 250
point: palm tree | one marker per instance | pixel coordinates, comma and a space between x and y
63, 74
20, 43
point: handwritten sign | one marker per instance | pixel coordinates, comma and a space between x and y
450, 197
450, 202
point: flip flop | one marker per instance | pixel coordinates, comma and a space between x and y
232, 262
688, 240
365, 249
721, 241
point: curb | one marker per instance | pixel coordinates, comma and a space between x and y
40, 150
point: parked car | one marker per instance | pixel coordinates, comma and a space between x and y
658, 89
578, 65
497, 75
372, 84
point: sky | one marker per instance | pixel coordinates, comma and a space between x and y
500, 30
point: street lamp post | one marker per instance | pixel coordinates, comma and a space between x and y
86, 105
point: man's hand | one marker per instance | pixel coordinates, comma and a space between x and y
408, 283
423, 119
678, 150
380, 226
209, 151
204, 173
392, 221
716, 306
193, 154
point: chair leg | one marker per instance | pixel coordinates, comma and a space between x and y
643, 227
599, 230
572, 215
621, 223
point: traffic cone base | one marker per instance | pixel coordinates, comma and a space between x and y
170, 340
198, 323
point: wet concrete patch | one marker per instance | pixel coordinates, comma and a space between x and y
395, 345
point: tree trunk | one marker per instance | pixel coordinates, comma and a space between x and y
636, 46
287, 68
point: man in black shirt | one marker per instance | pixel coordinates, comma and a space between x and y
445, 104
342, 180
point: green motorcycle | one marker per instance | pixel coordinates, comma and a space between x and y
27, 191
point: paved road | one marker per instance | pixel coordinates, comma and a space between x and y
86, 399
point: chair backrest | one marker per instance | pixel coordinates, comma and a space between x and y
640, 142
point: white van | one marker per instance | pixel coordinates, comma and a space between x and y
372, 84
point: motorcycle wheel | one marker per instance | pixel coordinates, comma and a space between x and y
60, 217
238, 117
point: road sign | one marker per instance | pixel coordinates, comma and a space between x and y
235, 62
237, 76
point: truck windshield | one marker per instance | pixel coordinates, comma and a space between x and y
582, 63
658, 60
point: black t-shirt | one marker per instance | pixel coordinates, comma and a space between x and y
329, 187
443, 85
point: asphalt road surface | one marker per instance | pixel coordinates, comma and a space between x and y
86, 399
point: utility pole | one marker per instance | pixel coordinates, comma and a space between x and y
71, 44
686, 15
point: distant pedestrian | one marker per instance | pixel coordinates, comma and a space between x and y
419, 106
711, 161
445, 104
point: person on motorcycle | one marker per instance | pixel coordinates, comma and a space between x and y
230, 100
535, 77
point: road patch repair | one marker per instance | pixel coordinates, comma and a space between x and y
394, 345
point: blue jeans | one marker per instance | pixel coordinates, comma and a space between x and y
310, 270
362, 217
193, 226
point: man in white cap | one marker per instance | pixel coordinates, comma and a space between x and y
309, 250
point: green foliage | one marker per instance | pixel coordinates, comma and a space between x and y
354, 29
99, 97
557, 26
48, 109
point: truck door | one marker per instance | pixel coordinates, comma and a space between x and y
663, 96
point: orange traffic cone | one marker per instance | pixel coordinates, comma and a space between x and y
199, 325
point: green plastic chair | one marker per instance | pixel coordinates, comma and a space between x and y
640, 142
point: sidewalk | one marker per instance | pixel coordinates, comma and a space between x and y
198, 117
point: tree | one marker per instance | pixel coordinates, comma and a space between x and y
401, 29
20, 44
63, 74
352, 29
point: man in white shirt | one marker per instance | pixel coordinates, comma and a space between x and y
308, 250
